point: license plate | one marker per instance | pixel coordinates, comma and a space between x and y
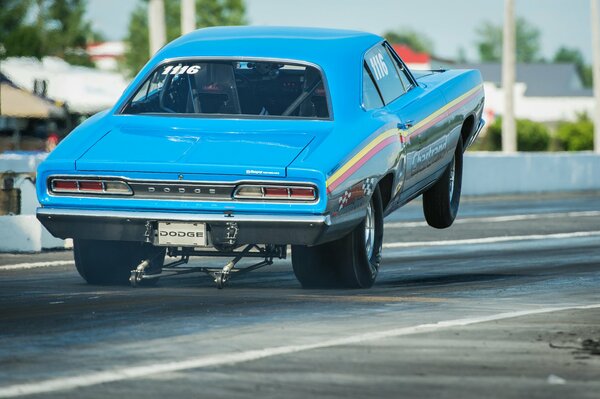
182, 234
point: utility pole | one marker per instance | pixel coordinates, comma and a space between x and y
156, 25
509, 130
188, 16
596, 71
2, 52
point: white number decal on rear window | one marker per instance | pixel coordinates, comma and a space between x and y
181, 69
379, 67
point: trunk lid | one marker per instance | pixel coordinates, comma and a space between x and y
243, 148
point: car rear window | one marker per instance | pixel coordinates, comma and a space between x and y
232, 88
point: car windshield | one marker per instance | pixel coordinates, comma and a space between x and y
232, 88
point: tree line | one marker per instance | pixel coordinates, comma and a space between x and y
37, 28
489, 46
208, 13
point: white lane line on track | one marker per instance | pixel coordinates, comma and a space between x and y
491, 240
467, 241
34, 265
500, 219
226, 359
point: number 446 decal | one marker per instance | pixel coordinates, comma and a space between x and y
181, 69
380, 69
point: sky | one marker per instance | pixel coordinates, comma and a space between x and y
451, 24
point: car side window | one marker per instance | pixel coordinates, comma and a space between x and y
142, 94
404, 79
385, 73
400, 68
371, 96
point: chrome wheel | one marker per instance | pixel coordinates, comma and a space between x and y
369, 231
451, 177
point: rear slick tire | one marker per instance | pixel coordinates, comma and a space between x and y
441, 201
110, 262
349, 262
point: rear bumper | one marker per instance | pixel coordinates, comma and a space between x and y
140, 226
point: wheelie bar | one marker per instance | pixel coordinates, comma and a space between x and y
220, 275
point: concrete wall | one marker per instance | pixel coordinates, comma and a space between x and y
488, 173
23, 233
21, 162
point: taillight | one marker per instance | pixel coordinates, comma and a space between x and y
64, 186
88, 186
117, 187
302, 193
91, 186
275, 193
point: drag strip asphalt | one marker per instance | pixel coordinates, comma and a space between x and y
505, 303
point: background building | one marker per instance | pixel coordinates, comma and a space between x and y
544, 92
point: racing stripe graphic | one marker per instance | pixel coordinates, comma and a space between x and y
381, 141
440, 113
388, 137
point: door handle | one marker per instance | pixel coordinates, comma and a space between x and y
405, 125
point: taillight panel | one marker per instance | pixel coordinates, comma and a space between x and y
65, 186
106, 186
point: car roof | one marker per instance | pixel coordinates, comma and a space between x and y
273, 32
316, 45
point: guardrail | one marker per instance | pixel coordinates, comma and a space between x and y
485, 173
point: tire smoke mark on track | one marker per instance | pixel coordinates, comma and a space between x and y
34, 265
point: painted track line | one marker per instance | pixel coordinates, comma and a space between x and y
467, 241
491, 240
34, 265
500, 219
227, 359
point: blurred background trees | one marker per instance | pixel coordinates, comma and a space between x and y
489, 42
209, 13
37, 28
573, 55
417, 41
531, 136
489, 47
536, 136
576, 136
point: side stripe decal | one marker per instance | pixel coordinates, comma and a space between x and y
389, 136
333, 182
441, 111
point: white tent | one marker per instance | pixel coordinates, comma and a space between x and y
84, 90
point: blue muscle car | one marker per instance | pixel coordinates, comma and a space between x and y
240, 141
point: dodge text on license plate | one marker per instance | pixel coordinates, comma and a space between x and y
182, 234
